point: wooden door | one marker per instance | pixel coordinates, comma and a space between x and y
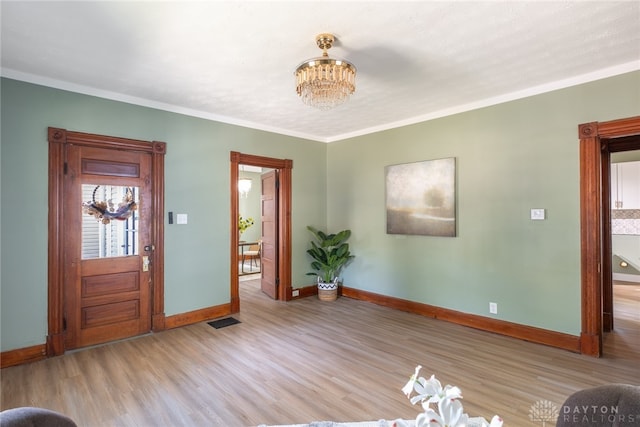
269, 223
107, 245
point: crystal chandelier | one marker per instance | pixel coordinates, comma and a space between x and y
324, 82
244, 186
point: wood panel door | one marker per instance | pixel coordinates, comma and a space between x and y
269, 224
107, 245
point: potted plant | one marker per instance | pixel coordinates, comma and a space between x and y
330, 253
243, 224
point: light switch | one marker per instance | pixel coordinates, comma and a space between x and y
181, 218
537, 214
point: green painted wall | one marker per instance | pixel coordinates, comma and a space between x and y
510, 158
197, 183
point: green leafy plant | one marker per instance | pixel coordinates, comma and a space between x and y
244, 223
330, 253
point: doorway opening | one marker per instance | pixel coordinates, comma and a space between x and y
274, 226
621, 288
250, 222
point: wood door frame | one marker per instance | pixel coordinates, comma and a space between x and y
58, 139
284, 167
597, 141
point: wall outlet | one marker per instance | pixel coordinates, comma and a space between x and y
493, 307
295, 293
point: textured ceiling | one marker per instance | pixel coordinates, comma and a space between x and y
234, 61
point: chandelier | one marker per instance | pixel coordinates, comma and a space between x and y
324, 82
244, 185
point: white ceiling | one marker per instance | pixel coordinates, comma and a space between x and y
233, 61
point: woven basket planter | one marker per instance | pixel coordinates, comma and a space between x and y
327, 294
328, 291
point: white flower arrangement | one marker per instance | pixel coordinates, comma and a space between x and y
447, 400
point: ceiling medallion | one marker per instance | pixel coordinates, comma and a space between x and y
323, 82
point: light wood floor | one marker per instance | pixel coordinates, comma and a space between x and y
310, 360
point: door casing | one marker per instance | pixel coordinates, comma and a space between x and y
284, 167
58, 140
597, 141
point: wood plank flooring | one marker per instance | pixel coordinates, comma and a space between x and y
310, 360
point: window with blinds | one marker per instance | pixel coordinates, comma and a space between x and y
117, 237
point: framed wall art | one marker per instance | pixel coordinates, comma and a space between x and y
421, 198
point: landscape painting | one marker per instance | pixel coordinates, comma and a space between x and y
421, 198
